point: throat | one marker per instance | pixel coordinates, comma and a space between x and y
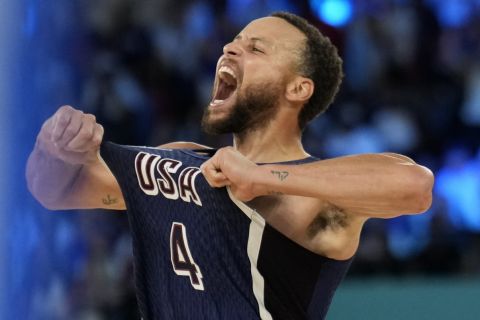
261, 147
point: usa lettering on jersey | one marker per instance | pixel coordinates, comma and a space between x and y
155, 176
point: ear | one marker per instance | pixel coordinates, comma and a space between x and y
300, 89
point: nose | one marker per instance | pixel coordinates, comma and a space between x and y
232, 49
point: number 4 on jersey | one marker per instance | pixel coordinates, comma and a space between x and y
182, 260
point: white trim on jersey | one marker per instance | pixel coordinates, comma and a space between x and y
257, 225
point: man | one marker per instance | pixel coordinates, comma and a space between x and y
277, 241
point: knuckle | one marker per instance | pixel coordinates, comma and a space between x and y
77, 113
65, 108
65, 111
90, 117
97, 139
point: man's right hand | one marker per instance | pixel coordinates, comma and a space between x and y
65, 170
71, 135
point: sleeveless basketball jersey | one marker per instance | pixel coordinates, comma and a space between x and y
199, 253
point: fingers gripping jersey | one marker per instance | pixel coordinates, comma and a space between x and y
201, 254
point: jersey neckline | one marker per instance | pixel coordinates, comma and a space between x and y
194, 153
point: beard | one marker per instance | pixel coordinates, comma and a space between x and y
255, 108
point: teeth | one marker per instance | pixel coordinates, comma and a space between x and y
216, 101
227, 70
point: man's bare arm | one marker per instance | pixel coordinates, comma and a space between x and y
371, 185
65, 170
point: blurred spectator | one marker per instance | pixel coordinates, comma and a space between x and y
458, 183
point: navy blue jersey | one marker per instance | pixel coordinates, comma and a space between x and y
199, 253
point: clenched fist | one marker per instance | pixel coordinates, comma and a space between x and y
228, 167
71, 135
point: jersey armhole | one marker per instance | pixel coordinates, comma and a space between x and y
184, 145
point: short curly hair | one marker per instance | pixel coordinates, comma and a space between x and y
320, 62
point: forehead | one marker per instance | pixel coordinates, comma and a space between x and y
274, 31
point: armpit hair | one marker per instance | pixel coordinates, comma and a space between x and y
329, 217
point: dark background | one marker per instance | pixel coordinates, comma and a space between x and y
145, 69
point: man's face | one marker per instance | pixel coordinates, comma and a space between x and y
252, 75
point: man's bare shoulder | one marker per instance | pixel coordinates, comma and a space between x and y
183, 145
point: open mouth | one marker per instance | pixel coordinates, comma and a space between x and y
227, 84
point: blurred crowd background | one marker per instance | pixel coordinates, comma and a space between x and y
145, 68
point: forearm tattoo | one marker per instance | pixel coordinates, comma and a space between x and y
108, 201
281, 175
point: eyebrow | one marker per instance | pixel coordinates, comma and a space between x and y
254, 39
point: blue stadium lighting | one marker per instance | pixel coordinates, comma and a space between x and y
30, 21
454, 13
336, 13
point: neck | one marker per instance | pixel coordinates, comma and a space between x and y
272, 143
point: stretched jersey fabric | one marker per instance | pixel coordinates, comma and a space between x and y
199, 253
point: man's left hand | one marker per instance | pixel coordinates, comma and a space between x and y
228, 167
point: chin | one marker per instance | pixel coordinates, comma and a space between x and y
213, 122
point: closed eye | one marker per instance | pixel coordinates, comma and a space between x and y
255, 49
